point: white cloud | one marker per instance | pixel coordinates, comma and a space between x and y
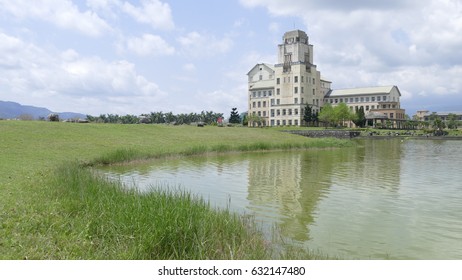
189, 67
149, 45
197, 44
413, 44
62, 13
153, 12
63, 80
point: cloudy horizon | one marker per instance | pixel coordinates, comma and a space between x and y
133, 57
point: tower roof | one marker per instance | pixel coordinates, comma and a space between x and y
295, 36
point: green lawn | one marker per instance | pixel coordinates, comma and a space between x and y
52, 206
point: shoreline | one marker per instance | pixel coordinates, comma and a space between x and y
377, 137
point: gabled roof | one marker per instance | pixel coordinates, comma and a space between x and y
269, 66
362, 91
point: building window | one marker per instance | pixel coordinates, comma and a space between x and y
264, 113
367, 99
278, 112
278, 101
302, 79
269, 92
290, 122
367, 108
278, 81
272, 101
296, 122
314, 81
295, 100
303, 90
278, 91
336, 100
296, 111
384, 98
259, 104
264, 103
351, 99
283, 122
373, 98
264, 93
278, 122
391, 116
283, 112
259, 113
253, 104
356, 99
295, 89
378, 98
290, 112
341, 100
296, 79
272, 122
372, 107
362, 99
272, 112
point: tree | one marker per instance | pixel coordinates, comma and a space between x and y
342, 113
452, 121
308, 115
254, 120
326, 115
234, 118
438, 126
360, 118
315, 119
53, 117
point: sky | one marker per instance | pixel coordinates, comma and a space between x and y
133, 57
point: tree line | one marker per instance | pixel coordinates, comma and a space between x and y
334, 116
207, 117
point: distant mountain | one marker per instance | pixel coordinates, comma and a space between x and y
13, 110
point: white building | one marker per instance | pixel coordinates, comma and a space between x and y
425, 115
278, 94
381, 105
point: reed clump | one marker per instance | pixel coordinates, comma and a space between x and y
113, 222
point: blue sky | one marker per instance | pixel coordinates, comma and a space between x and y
134, 57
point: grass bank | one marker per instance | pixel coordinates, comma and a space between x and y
52, 206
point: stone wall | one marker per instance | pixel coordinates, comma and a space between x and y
325, 133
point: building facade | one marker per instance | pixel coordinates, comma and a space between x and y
426, 115
381, 105
279, 93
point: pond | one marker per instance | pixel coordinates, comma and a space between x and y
384, 199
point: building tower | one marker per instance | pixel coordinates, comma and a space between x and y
289, 86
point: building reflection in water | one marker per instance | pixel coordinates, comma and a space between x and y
288, 187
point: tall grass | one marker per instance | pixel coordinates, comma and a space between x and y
117, 223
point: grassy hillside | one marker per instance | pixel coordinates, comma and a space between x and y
52, 206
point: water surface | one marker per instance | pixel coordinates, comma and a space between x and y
383, 199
